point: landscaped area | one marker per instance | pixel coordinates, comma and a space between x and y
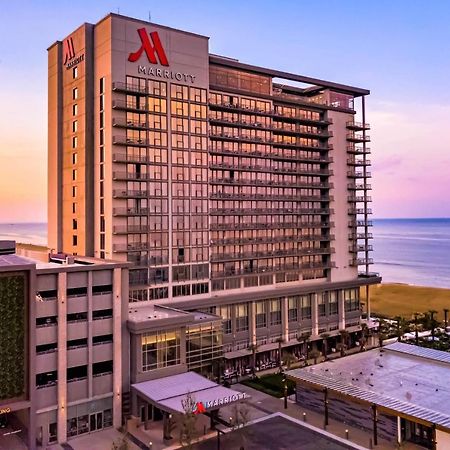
271, 384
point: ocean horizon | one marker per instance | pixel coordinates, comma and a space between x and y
406, 250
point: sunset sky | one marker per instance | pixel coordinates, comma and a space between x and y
398, 50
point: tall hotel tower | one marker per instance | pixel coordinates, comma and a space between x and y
233, 189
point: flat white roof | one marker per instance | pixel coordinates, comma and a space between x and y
400, 377
169, 393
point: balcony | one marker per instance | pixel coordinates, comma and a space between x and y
248, 182
269, 169
130, 229
355, 137
136, 247
360, 236
360, 223
131, 211
294, 198
360, 248
132, 124
357, 126
358, 162
359, 186
263, 240
129, 106
131, 176
358, 174
358, 199
360, 261
270, 226
123, 140
117, 193
272, 269
268, 211
271, 254
358, 150
368, 274
150, 261
128, 87
354, 211
124, 158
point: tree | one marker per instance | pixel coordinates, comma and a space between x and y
289, 359
382, 332
239, 419
120, 443
401, 327
188, 421
314, 354
253, 348
345, 335
325, 337
304, 338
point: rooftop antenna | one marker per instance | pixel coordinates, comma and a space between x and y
118, 10
149, 16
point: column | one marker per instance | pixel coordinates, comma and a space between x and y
89, 335
117, 347
62, 357
284, 319
252, 322
399, 430
341, 310
314, 315
375, 419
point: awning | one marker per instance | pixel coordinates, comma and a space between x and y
169, 393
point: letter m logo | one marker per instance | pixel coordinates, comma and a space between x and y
151, 45
69, 50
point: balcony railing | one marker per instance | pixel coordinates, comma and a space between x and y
139, 246
125, 158
123, 140
135, 124
354, 137
358, 126
268, 211
358, 162
360, 261
270, 226
131, 211
360, 223
117, 193
355, 236
128, 87
271, 254
353, 211
358, 174
358, 199
360, 248
248, 182
358, 150
265, 169
359, 186
270, 197
128, 106
272, 269
263, 240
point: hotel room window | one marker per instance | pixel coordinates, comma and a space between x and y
241, 317
74, 93
261, 318
75, 72
74, 109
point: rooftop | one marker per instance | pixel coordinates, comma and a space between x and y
399, 377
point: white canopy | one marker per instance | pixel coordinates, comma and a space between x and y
169, 393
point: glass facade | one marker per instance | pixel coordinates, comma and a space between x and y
160, 349
203, 344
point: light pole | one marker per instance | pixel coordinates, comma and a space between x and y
285, 389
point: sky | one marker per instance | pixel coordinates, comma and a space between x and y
398, 50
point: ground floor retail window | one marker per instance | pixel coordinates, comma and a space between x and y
52, 432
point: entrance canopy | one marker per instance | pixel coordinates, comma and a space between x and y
170, 393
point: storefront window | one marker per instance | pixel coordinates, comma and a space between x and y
161, 349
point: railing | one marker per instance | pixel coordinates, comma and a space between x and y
256, 168
358, 198
127, 87
357, 137
368, 274
122, 157
262, 240
359, 186
123, 104
130, 193
270, 211
271, 254
360, 223
359, 211
129, 123
360, 261
354, 174
131, 211
295, 198
358, 125
123, 140
360, 236
358, 150
360, 248
243, 181
270, 226
358, 162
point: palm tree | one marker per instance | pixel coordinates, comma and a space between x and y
344, 341
280, 340
314, 354
253, 348
446, 318
325, 337
382, 332
433, 324
304, 339
401, 327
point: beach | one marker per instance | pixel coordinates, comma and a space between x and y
394, 299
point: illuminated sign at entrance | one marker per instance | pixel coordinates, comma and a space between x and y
201, 407
5, 410
151, 45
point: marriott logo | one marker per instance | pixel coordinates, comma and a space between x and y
151, 45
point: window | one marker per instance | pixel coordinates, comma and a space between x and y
160, 349
321, 304
74, 93
102, 368
305, 308
103, 339
74, 109
225, 313
74, 240
292, 309
46, 379
75, 142
74, 174
74, 158
241, 317
77, 292
261, 320
351, 299
76, 373
332, 302
46, 321
77, 343
275, 312
102, 85
74, 205
102, 289
75, 126
102, 314
75, 72
77, 317
46, 348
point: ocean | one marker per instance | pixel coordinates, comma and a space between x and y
410, 251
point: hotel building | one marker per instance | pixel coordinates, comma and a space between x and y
232, 189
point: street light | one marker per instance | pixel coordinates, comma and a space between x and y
285, 388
